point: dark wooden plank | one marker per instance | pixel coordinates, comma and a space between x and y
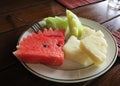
8, 6
113, 24
98, 12
111, 78
8, 42
12, 5
33, 11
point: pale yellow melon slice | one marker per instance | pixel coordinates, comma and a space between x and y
95, 47
87, 32
72, 51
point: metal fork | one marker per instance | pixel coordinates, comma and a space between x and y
34, 25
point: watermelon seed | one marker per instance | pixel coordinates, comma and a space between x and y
44, 45
58, 45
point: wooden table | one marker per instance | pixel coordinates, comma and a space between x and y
12, 73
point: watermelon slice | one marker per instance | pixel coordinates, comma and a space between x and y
44, 47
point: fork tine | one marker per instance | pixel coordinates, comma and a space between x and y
36, 25
39, 26
35, 28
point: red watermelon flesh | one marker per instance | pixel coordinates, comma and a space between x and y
58, 34
55, 33
42, 48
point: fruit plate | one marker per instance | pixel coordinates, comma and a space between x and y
71, 72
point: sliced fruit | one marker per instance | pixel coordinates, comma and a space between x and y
74, 24
73, 52
87, 32
44, 48
95, 47
58, 23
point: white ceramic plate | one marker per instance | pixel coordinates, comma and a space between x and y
71, 72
